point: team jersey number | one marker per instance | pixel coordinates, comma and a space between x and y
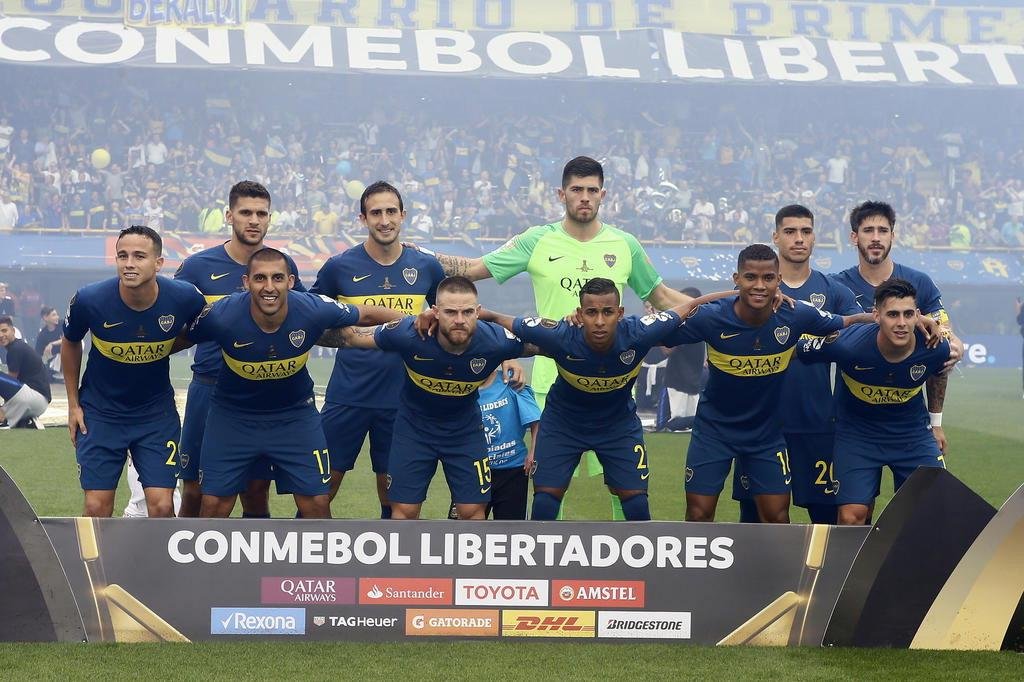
173, 447
323, 464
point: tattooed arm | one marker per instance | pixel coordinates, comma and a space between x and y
348, 337
473, 268
935, 388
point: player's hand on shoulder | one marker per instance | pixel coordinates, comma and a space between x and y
956, 353
782, 299
513, 374
931, 330
574, 318
426, 323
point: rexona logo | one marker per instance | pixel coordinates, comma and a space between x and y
255, 621
547, 623
301, 590
601, 593
408, 591
644, 624
451, 623
496, 592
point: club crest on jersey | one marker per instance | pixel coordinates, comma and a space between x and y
184, 460
609, 259
477, 365
817, 300
689, 474
297, 337
548, 323
628, 356
745, 482
782, 334
410, 275
917, 371
165, 322
392, 324
387, 485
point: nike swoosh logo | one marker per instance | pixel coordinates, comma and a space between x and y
325, 479
242, 345
360, 279
644, 477
789, 479
216, 277
552, 259
107, 325
723, 335
862, 369
857, 296
484, 491
569, 357
416, 357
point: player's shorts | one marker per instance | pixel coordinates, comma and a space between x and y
346, 426
810, 458
293, 443
620, 450
103, 449
708, 460
508, 496
197, 407
413, 462
859, 464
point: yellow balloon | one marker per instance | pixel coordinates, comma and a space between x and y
100, 159
354, 189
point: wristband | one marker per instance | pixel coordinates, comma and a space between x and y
935, 418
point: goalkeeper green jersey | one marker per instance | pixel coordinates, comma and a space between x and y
559, 265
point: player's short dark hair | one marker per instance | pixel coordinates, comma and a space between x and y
894, 288
379, 187
869, 209
456, 284
247, 188
144, 231
758, 252
599, 286
692, 292
264, 255
7, 319
793, 211
582, 167
46, 310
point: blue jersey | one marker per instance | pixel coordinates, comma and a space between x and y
929, 300
593, 387
216, 274
440, 390
506, 414
807, 405
266, 372
370, 378
747, 364
878, 400
127, 373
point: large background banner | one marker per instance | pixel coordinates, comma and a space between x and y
949, 21
377, 580
639, 55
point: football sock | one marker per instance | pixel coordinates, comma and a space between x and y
636, 508
545, 507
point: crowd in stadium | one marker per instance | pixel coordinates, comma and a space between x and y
84, 159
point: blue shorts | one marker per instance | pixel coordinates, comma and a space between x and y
346, 426
859, 464
620, 450
197, 407
765, 466
413, 462
810, 458
294, 444
101, 451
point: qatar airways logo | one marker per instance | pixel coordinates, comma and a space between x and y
312, 590
499, 592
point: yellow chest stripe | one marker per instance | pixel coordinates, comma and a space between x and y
750, 365
446, 387
267, 369
133, 352
589, 384
879, 395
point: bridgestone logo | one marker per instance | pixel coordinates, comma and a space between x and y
644, 624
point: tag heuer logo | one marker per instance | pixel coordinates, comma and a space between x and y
477, 365
297, 337
410, 275
917, 371
165, 322
818, 300
782, 334
609, 259
627, 356
319, 620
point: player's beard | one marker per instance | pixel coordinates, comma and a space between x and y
244, 238
575, 216
874, 260
458, 344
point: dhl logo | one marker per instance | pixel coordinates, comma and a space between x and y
516, 623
